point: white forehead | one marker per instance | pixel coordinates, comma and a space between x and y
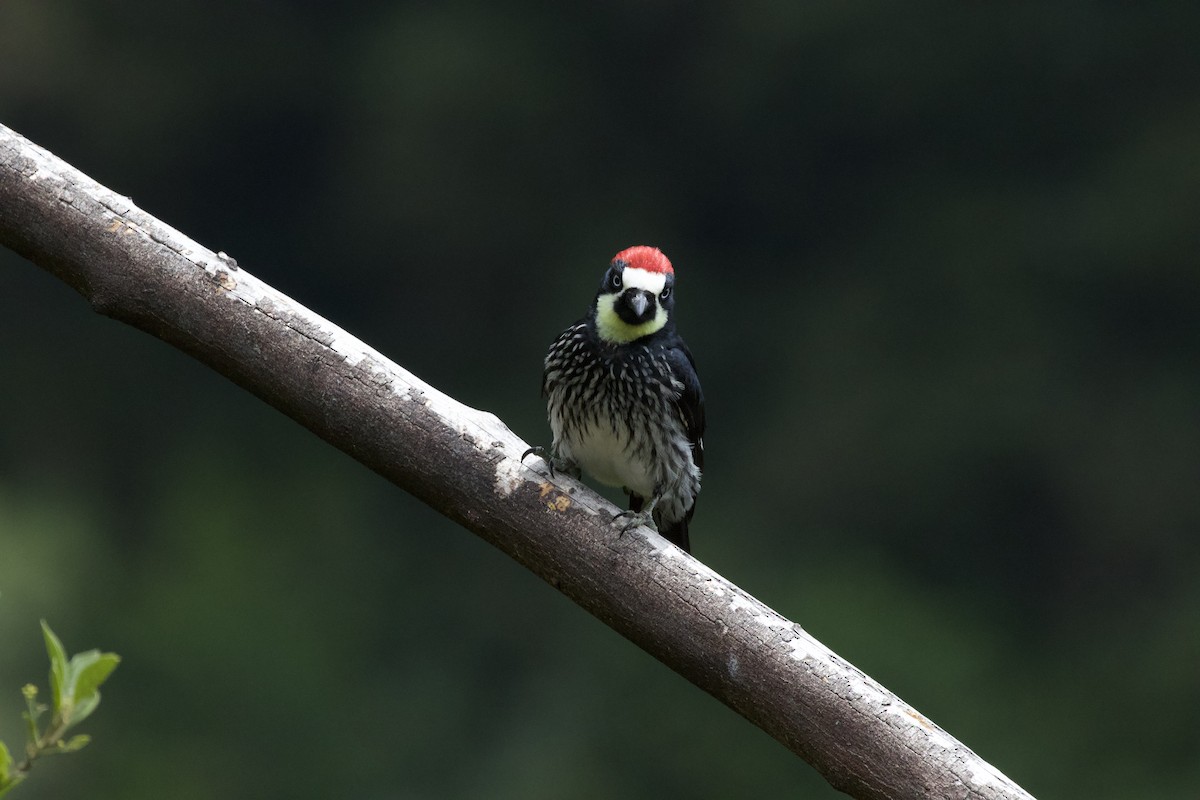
652, 282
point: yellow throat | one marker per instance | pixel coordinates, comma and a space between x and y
613, 329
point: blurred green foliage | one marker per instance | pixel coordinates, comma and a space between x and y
938, 266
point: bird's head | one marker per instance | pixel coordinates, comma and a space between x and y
636, 297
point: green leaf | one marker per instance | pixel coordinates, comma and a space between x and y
58, 666
77, 743
89, 670
7, 779
5, 764
76, 682
85, 673
8, 787
81, 710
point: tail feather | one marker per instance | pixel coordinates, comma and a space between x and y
677, 534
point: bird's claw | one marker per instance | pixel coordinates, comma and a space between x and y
554, 464
540, 452
636, 520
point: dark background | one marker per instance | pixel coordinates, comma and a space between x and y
937, 264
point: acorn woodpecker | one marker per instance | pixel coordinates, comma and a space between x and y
623, 398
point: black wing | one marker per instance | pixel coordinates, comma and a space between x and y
563, 349
690, 404
690, 407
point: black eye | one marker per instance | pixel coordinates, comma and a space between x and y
665, 293
614, 280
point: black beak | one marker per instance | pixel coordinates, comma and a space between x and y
638, 303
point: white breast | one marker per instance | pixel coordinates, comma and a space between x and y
604, 455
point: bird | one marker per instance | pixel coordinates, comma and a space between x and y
623, 398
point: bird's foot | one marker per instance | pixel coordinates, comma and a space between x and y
540, 452
553, 463
628, 520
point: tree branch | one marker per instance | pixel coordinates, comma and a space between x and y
467, 464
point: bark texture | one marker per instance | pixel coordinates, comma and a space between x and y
466, 464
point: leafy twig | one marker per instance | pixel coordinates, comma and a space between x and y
75, 689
